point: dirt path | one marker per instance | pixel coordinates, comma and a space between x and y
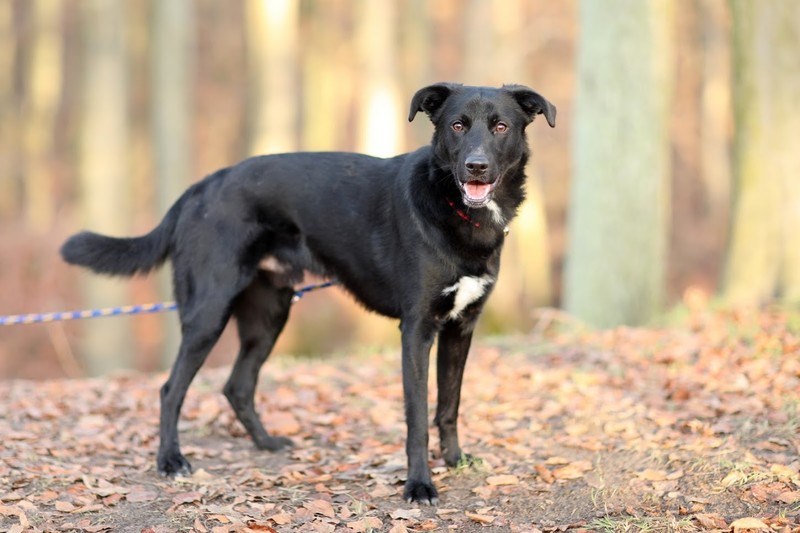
691, 429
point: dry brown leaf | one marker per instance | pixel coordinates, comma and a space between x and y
748, 523
544, 473
783, 471
321, 507
503, 479
573, 470
366, 523
652, 475
405, 514
281, 518
789, 497
399, 528
711, 521
187, 497
480, 518
254, 526
733, 477
64, 507
13, 510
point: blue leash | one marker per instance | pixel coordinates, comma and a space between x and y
36, 318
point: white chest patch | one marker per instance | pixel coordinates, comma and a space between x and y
467, 290
497, 214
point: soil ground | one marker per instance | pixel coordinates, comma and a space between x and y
694, 428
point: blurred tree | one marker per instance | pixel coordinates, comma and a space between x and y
715, 110
172, 46
328, 75
9, 152
272, 52
105, 188
763, 260
379, 113
620, 193
43, 85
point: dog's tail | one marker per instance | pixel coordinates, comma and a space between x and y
123, 256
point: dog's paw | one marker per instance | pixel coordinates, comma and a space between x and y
273, 444
174, 464
421, 492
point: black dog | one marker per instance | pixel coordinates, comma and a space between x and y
415, 237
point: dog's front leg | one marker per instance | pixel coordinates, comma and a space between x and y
417, 338
454, 342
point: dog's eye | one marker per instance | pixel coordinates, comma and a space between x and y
500, 127
457, 126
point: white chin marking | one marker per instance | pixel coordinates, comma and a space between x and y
468, 289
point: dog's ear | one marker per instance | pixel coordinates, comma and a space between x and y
533, 103
430, 99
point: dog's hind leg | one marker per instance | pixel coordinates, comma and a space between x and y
201, 328
261, 312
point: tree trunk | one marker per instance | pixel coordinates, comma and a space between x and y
763, 260
271, 27
105, 188
10, 184
620, 193
380, 113
172, 90
43, 73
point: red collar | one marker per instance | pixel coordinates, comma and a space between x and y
461, 213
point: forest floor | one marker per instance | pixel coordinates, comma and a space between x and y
695, 428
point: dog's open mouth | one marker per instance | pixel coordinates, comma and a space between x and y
477, 193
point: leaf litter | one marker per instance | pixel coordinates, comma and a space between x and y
694, 428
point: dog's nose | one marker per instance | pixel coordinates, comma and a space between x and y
477, 164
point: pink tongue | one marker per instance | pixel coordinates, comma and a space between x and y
476, 190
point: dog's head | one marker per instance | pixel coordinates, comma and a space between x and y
480, 132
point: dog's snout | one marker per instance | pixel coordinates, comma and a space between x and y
477, 164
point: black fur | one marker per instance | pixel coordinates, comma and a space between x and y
415, 237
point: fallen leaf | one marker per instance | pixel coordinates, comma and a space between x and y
789, 497
711, 521
12, 510
186, 497
480, 518
321, 507
748, 523
64, 507
733, 477
399, 528
573, 470
652, 475
544, 473
369, 522
405, 514
783, 471
504, 479
281, 518
253, 526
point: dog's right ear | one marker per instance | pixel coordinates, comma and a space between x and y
430, 99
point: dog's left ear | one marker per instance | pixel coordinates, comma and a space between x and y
533, 103
430, 99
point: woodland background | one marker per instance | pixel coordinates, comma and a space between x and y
670, 179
